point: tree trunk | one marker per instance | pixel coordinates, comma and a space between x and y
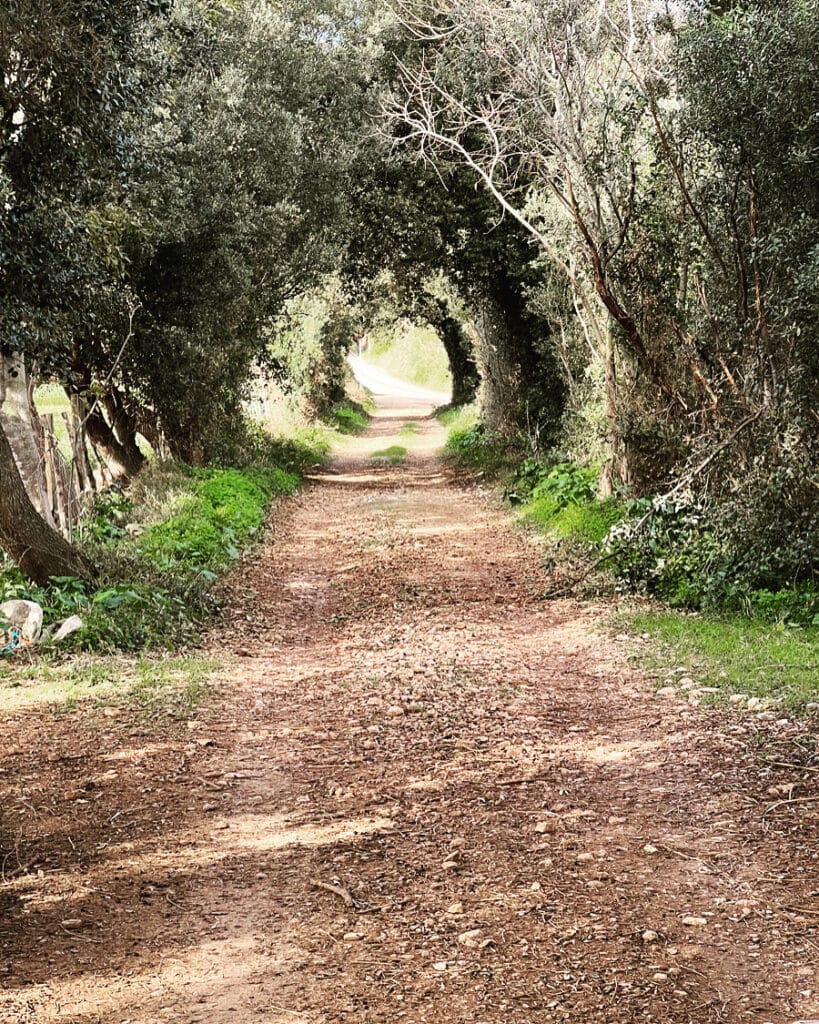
16, 420
122, 461
124, 423
462, 365
27, 539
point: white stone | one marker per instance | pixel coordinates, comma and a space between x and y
27, 616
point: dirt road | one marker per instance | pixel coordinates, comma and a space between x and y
421, 794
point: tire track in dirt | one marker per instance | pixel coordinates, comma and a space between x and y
425, 794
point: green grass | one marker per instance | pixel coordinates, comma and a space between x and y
156, 586
584, 523
349, 418
152, 687
409, 430
480, 451
458, 417
225, 509
395, 455
771, 661
413, 354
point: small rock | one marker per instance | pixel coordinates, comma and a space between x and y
441, 965
395, 711
206, 742
471, 939
650, 936
455, 908
812, 706
27, 616
686, 682
650, 848
73, 624
754, 703
545, 826
72, 922
352, 936
582, 858
659, 976
692, 921
616, 820
667, 691
738, 698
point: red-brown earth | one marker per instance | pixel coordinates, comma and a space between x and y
420, 792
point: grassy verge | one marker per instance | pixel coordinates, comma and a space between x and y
471, 446
349, 418
161, 549
751, 663
151, 687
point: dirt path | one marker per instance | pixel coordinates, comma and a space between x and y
423, 794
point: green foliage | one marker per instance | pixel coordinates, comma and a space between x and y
769, 660
395, 455
703, 556
586, 523
226, 510
566, 484
561, 501
349, 418
157, 589
478, 449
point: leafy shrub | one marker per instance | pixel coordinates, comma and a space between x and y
477, 448
699, 556
566, 484
349, 418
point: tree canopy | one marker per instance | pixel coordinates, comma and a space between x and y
609, 214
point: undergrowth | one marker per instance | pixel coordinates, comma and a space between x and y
730, 617
471, 446
161, 549
349, 418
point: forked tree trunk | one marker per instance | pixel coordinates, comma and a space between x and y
124, 423
38, 550
122, 461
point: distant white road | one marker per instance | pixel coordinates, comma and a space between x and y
380, 383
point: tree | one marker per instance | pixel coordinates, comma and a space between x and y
65, 83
